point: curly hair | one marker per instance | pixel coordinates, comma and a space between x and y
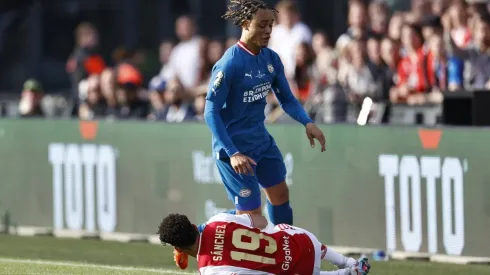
240, 11
178, 231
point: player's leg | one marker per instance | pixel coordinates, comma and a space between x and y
346, 265
360, 269
345, 271
242, 190
271, 173
341, 261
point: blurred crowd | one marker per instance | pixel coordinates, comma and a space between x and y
405, 58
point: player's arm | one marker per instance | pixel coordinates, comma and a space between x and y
218, 90
285, 96
292, 106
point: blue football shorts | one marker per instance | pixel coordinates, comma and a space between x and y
244, 190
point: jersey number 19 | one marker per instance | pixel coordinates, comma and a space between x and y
252, 245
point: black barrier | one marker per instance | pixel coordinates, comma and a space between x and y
467, 108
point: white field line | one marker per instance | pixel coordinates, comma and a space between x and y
109, 267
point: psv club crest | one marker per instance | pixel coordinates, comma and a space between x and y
270, 68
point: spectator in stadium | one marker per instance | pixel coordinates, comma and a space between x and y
378, 69
477, 10
164, 53
287, 34
457, 24
85, 59
210, 54
477, 56
329, 97
108, 90
184, 62
378, 16
412, 70
319, 42
176, 109
430, 25
303, 73
420, 9
93, 105
446, 72
156, 89
199, 104
30, 101
395, 26
214, 51
359, 82
358, 27
438, 7
390, 53
130, 104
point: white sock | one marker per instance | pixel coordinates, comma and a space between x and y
338, 259
346, 271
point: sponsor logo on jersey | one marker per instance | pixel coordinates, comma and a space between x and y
245, 193
258, 92
219, 79
286, 265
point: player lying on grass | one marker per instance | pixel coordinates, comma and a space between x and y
238, 244
247, 155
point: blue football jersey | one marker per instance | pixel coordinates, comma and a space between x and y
236, 99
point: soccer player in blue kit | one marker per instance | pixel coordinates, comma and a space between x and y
247, 155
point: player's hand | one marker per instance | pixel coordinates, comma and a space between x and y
181, 259
242, 164
313, 132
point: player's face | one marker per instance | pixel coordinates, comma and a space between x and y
260, 27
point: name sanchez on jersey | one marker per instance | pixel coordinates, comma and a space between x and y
219, 241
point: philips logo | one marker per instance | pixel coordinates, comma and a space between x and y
259, 92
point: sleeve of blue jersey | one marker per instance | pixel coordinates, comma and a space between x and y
285, 96
200, 228
218, 90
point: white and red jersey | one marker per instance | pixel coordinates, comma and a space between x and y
230, 245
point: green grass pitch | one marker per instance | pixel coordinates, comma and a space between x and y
47, 255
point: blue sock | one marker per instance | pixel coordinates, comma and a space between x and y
200, 227
280, 213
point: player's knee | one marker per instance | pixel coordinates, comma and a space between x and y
278, 194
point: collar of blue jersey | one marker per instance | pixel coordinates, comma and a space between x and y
243, 46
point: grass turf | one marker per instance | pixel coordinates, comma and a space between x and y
47, 255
